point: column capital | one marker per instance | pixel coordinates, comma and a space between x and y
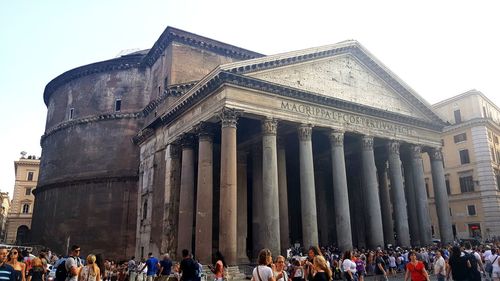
205, 131
187, 140
269, 126
367, 142
229, 117
337, 138
416, 151
435, 154
393, 147
173, 149
305, 132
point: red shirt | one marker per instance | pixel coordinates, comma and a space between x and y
417, 271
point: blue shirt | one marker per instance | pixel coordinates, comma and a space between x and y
152, 264
7, 273
167, 266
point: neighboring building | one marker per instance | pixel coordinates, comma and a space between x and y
21, 209
236, 151
5, 201
471, 153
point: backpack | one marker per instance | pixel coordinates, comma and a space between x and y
489, 265
473, 271
61, 272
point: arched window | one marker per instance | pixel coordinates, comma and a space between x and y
26, 208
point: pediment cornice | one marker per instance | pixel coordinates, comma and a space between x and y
231, 78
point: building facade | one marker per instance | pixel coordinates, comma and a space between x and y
5, 201
18, 229
471, 152
236, 151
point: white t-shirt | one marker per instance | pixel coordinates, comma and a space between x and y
265, 273
440, 266
392, 261
348, 264
496, 267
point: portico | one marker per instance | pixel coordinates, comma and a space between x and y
320, 143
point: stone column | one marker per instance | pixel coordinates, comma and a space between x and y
256, 199
321, 201
204, 201
270, 198
228, 188
307, 188
385, 202
398, 195
411, 204
186, 200
421, 204
283, 198
370, 188
242, 208
171, 199
341, 197
441, 196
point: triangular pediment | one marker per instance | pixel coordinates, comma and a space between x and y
344, 71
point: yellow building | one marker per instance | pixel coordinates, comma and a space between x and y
471, 152
21, 209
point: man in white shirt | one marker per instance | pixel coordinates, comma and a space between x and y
440, 266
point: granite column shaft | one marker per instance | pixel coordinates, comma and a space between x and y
421, 202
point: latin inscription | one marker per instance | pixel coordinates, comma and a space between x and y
346, 118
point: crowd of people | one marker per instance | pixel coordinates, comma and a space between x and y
461, 263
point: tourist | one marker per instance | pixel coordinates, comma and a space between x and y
415, 269
380, 269
313, 252
349, 266
476, 264
494, 259
458, 265
263, 271
298, 271
73, 264
440, 266
392, 264
188, 268
152, 265
132, 269
13, 259
360, 266
100, 263
142, 270
165, 267
37, 271
90, 272
7, 273
218, 268
321, 269
280, 273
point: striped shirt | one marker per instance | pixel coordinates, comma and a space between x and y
6, 273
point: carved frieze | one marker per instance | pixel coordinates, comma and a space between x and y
205, 131
229, 117
269, 126
435, 154
305, 132
393, 147
416, 151
367, 142
337, 138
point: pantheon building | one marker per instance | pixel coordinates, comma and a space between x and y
200, 145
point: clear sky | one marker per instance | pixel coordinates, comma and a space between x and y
439, 48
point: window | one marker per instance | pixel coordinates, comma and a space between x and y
466, 184
484, 112
26, 208
464, 156
450, 212
165, 83
118, 105
145, 210
30, 176
432, 230
453, 229
497, 176
498, 156
495, 139
460, 137
458, 117
471, 210
427, 187
28, 191
493, 154
71, 113
447, 182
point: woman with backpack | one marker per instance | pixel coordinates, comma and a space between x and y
37, 271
